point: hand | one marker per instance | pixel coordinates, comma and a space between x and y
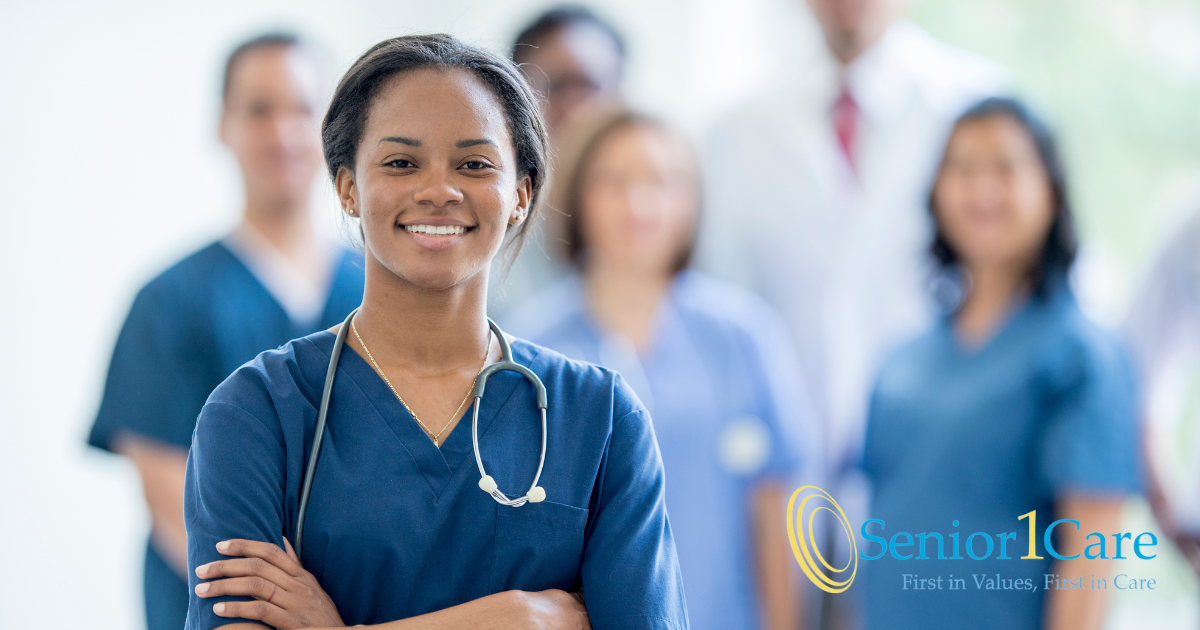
554, 610
285, 595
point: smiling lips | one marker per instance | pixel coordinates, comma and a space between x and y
436, 230
436, 237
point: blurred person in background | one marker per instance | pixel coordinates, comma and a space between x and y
1163, 326
570, 56
710, 360
1012, 402
272, 279
817, 193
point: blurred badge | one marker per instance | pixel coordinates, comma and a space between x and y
744, 446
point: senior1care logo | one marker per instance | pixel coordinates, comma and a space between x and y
804, 542
809, 501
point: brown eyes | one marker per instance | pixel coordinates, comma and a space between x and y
473, 165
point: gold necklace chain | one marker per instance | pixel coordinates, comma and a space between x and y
434, 437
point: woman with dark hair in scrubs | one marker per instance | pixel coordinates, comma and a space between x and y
437, 149
711, 362
1014, 403
272, 279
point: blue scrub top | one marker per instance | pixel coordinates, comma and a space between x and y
725, 394
188, 329
397, 527
1044, 409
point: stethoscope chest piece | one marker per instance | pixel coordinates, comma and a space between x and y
535, 494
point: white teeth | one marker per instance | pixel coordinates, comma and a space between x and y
436, 230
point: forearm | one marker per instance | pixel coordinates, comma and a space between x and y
494, 612
778, 596
1083, 608
162, 469
1080, 609
510, 610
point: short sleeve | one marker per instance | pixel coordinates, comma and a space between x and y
1091, 442
234, 489
159, 377
630, 572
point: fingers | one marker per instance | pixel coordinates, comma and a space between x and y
291, 552
245, 567
265, 551
255, 587
269, 614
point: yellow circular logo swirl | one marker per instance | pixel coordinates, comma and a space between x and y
805, 547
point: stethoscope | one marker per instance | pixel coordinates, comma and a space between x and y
535, 494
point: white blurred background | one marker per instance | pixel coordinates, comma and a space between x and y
110, 170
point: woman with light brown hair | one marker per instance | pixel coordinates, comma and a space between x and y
710, 361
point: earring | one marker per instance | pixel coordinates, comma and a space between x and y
350, 211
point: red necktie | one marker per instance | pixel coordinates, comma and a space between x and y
845, 124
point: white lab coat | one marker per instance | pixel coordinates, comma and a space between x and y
1164, 332
843, 257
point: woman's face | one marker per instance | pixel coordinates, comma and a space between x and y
993, 197
638, 200
435, 179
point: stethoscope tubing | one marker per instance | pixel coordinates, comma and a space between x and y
535, 494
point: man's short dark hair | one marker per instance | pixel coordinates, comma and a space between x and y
560, 17
266, 40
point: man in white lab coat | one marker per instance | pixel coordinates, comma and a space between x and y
818, 191
1163, 327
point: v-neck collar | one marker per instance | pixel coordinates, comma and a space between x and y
665, 312
338, 260
1011, 320
437, 465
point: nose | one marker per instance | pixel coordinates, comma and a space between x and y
436, 188
644, 199
293, 132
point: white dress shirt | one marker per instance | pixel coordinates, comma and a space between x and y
843, 255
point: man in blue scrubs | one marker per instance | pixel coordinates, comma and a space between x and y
271, 280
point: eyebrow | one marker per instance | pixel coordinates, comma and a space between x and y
401, 140
462, 144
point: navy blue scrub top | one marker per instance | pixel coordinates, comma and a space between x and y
1044, 409
188, 329
397, 527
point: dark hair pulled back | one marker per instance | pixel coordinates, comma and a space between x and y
342, 129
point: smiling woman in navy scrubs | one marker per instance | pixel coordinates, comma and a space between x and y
1014, 402
439, 150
